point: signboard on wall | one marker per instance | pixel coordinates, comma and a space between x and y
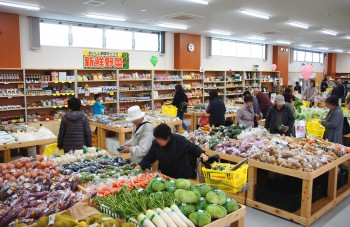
105, 59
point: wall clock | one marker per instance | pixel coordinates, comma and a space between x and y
190, 47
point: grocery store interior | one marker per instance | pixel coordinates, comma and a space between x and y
174, 113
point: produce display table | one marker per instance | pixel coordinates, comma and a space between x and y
309, 211
102, 129
235, 219
6, 149
320, 104
196, 116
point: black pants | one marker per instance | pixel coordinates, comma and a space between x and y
264, 112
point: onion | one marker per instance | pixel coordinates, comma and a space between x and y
4, 172
43, 165
47, 170
29, 169
20, 172
23, 168
1, 180
28, 165
39, 157
18, 165
34, 174
12, 179
15, 174
7, 176
27, 175
37, 163
11, 166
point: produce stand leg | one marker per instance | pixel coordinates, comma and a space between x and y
179, 128
99, 133
102, 138
252, 178
195, 122
332, 183
41, 148
238, 223
7, 155
121, 138
306, 200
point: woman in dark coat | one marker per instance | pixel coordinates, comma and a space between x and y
75, 131
216, 109
334, 121
180, 101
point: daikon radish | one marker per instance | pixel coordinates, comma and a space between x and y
143, 219
174, 217
154, 217
168, 221
182, 216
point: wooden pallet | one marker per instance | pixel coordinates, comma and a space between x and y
309, 211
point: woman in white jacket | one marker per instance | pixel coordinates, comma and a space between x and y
142, 135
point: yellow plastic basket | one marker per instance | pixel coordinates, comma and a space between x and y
169, 110
230, 181
306, 104
51, 149
329, 89
345, 110
316, 133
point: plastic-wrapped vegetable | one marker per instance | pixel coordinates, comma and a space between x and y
231, 205
58, 220
216, 211
182, 184
203, 189
202, 204
186, 209
200, 218
216, 197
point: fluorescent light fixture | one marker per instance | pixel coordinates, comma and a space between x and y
220, 32
283, 42
255, 14
305, 45
329, 32
340, 51
299, 25
347, 37
200, 2
21, 6
323, 48
104, 17
254, 37
175, 26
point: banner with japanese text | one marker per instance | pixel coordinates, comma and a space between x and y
105, 59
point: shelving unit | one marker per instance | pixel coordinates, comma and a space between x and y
30, 89
270, 80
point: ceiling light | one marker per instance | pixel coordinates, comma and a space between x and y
256, 37
200, 2
283, 42
103, 17
21, 6
143, 10
305, 45
299, 25
255, 14
220, 32
323, 48
175, 26
340, 51
347, 37
329, 32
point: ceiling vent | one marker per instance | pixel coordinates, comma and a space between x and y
271, 33
94, 3
181, 16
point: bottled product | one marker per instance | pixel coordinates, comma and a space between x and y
9, 77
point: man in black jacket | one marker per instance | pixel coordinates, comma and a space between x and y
172, 151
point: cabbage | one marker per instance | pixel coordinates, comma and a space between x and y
216, 197
216, 211
203, 189
231, 205
200, 218
178, 192
202, 204
186, 209
156, 184
188, 197
182, 184
170, 185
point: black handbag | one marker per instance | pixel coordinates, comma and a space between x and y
346, 126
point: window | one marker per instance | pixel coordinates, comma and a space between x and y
228, 48
117, 39
231, 48
243, 50
54, 35
307, 56
146, 41
87, 37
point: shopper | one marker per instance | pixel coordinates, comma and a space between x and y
255, 103
216, 109
334, 121
75, 131
324, 84
297, 87
289, 98
263, 100
142, 135
173, 152
181, 102
246, 115
340, 90
98, 107
310, 93
280, 119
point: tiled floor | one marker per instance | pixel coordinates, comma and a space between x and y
339, 216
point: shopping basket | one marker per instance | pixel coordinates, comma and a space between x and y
169, 109
314, 128
233, 181
52, 149
306, 104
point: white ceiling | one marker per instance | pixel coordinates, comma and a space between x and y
217, 15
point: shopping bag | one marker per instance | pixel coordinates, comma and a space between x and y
204, 121
52, 149
300, 129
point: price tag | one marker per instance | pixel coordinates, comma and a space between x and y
54, 107
70, 81
62, 81
6, 82
59, 106
66, 106
10, 97
52, 218
56, 82
59, 120
111, 93
47, 119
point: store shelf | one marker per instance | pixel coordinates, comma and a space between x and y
61, 94
95, 81
232, 94
12, 109
213, 88
155, 80
213, 82
12, 82
47, 107
165, 89
164, 98
103, 103
52, 82
100, 92
148, 100
135, 80
11, 96
123, 91
192, 79
193, 88
235, 81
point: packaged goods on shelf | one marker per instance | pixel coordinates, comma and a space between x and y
168, 95
194, 102
11, 119
95, 90
135, 76
131, 87
192, 76
163, 86
166, 77
97, 77
6, 138
11, 91
55, 103
9, 77
10, 107
24, 133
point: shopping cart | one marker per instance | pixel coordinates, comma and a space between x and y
231, 180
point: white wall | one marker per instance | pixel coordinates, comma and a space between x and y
295, 69
343, 63
71, 57
234, 63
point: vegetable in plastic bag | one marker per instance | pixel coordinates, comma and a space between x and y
202, 204
231, 205
216, 211
156, 184
216, 197
204, 189
60, 220
186, 209
182, 184
200, 218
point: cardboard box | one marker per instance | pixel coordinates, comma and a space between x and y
112, 143
62, 76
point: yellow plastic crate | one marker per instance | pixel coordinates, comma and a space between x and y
316, 133
345, 110
329, 89
306, 104
169, 110
230, 181
314, 124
